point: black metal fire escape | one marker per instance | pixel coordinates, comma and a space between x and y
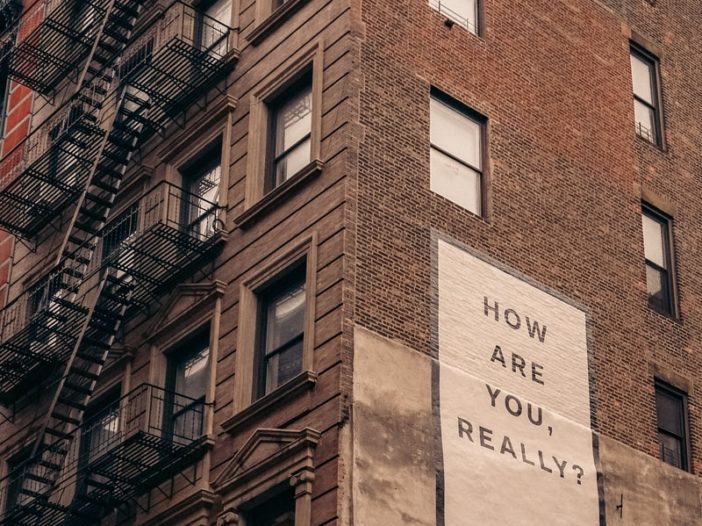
70, 319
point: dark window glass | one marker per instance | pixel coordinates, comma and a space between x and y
281, 331
188, 377
15, 469
644, 76
290, 132
276, 511
657, 250
671, 409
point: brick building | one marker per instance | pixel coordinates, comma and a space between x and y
314, 262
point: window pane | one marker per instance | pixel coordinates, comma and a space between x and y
103, 434
192, 374
293, 121
669, 409
455, 181
204, 196
294, 161
654, 240
641, 75
220, 10
455, 133
657, 285
285, 318
283, 366
644, 118
670, 449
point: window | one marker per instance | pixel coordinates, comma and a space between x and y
202, 181
100, 434
281, 329
276, 511
671, 411
4, 94
456, 155
290, 132
16, 466
118, 233
657, 228
187, 378
217, 15
285, 129
275, 338
647, 114
462, 12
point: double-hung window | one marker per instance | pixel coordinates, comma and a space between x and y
671, 413
647, 111
456, 155
188, 375
290, 128
202, 181
281, 328
657, 228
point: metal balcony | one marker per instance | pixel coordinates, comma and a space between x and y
47, 170
158, 239
50, 39
130, 447
38, 330
176, 59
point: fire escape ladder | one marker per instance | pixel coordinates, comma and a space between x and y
111, 297
92, 211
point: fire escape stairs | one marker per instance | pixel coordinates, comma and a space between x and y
107, 295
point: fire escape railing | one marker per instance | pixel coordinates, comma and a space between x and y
120, 453
37, 332
180, 54
159, 238
51, 38
43, 174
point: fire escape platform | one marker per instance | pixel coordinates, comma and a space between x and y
177, 77
40, 345
50, 42
176, 60
46, 174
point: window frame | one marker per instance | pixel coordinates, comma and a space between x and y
257, 199
184, 349
685, 442
482, 121
666, 220
246, 404
104, 404
204, 162
287, 281
19, 458
639, 52
291, 91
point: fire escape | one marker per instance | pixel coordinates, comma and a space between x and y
140, 65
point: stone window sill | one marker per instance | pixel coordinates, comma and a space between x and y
276, 18
251, 214
302, 382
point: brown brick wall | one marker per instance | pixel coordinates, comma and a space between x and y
565, 178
